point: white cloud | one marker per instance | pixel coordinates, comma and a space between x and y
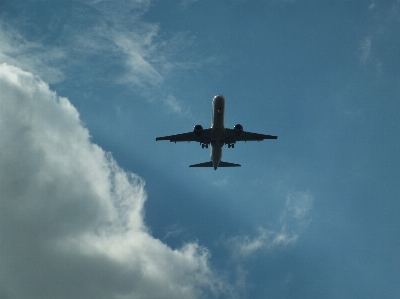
148, 59
371, 6
377, 50
176, 106
223, 182
32, 56
141, 71
71, 219
101, 41
173, 231
365, 49
121, 43
173, 104
292, 223
187, 3
244, 246
298, 205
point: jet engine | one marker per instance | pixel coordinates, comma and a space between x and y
238, 129
198, 130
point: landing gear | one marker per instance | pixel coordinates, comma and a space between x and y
204, 145
232, 145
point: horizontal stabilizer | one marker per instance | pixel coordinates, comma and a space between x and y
205, 164
210, 164
227, 164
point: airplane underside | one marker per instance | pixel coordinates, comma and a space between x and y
210, 164
217, 136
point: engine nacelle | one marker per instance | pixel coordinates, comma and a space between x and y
238, 129
198, 130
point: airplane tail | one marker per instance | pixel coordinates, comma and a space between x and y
205, 164
210, 164
227, 164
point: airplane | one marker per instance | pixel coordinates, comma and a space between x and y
217, 136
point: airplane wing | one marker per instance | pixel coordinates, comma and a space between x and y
190, 136
231, 137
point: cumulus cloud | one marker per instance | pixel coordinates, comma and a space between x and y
71, 219
292, 222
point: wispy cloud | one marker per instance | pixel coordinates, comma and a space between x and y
71, 219
292, 223
173, 231
172, 103
16, 50
223, 182
244, 246
148, 57
187, 3
107, 42
140, 72
371, 6
378, 49
298, 205
365, 49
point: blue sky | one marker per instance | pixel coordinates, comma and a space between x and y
92, 207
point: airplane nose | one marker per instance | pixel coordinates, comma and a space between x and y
219, 98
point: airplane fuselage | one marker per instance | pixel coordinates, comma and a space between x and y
217, 135
217, 129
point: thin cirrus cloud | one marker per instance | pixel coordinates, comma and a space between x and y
293, 221
103, 41
378, 48
172, 103
71, 218
365, 49
16, 50
147, 59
